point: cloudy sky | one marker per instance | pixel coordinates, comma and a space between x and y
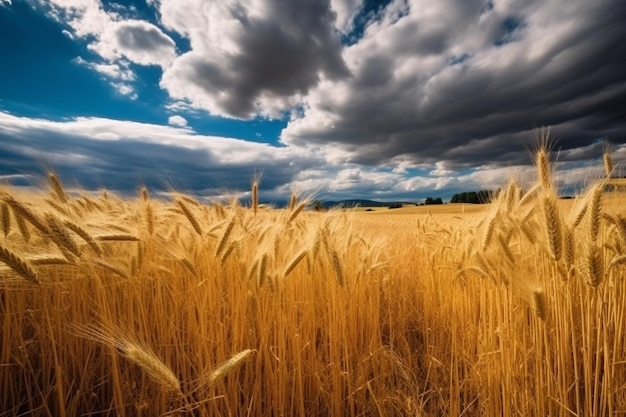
381, 99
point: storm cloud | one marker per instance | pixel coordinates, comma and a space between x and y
251, 58
468, 82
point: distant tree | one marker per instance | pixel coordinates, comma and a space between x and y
472, 197
430, 200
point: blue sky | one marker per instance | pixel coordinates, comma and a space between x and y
390, 99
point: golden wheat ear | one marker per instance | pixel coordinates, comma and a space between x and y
156, 370
135, 352
608, 162
190, 216
255, 196
19, 265
227, 367
57, 188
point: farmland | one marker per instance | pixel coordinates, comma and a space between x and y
143, 306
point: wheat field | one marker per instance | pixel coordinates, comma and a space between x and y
118, 306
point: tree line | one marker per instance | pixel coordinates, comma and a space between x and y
472, 197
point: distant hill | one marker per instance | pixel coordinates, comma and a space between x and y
363, 203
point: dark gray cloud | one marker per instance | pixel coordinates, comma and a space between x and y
466, 84
268, 60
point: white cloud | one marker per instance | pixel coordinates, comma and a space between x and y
125, 90
138, 41
118, 154
118, 41
345, 10
177, 120
119, 70
84, 17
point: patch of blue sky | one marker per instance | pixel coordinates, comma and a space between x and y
131, 9
256, 130
512, 28
459, 59
371, 11
40, 69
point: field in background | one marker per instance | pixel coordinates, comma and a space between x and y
141, 307
456, 208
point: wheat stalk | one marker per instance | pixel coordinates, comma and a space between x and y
222, 243
489, 231
17, 264
539, 303
296, 211
569, 246
336, 264
152, 366
553, 226
111, 268
293, 200
529, 195
528, 230
253, 270
149, 218
543, 169
617, 261
20, 210
189, 215
594, 267
262, 270
58, 208
578, 212
511, 195
219, 209
229, 366
294, 262
485, 267
227, 252
60, 236
506, 250
255, 195
620, 224
5, 219
23, 228
543, 161
50, 259
187, 263
118, 237
595, 211
59, 193
84, 235
141, 356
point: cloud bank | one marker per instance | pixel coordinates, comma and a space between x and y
122, 155
395, 100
